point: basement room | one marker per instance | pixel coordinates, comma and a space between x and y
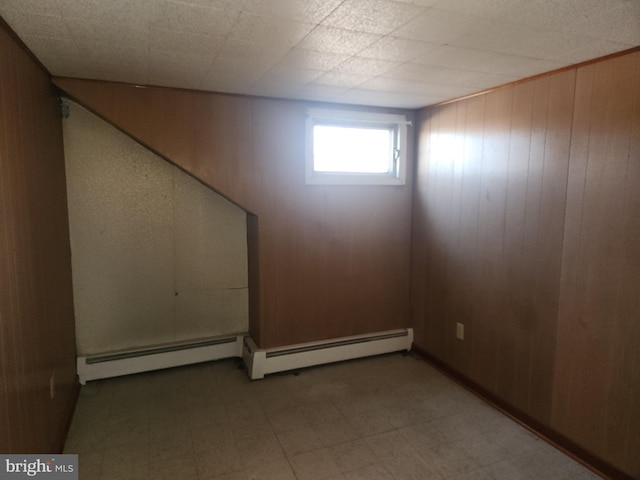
320, 239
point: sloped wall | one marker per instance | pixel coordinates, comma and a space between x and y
157, 256
330, 260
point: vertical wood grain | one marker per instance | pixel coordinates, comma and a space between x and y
595, 390
535, 237
36, 307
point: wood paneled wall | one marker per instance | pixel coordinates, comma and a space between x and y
36, 306
331, 260
526, 230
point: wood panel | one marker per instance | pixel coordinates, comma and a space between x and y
531, 243
332, 260
597, 383
36, 306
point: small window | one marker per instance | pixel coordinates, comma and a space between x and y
355, 148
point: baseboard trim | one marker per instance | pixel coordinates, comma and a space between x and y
549, 435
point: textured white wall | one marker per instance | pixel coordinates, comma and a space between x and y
157, 257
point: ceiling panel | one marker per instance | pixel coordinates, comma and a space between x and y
405, 53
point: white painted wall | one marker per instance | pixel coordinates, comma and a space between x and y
157, 257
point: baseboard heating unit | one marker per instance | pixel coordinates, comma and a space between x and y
260, 362
95, 367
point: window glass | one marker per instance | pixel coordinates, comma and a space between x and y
355, 148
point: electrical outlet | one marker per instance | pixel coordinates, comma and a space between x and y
52, 385
460, 331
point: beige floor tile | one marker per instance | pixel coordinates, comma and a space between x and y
260, 450
507, 470
474, 475
173, 468
218, 460
127, 435
369, 424
212, 435
422, 436
239, 475
449, 460
353, 456
315, 465
125, 463
389, 445
273, 470
322, 412
87, 437
90, 464
411, 467
288, 419
334, 433
300, 441
373, 472
379, 418
455, 427
482, 450
401, 415
178, 444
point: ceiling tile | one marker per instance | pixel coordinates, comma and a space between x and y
33, 7
588, 50
85, 30
431, 74
395, 99
312, 11
283, 48
163, 60
415, 87
52, 47
182, 42
373, 16
397, 49
552, 14
338, 79
283, 83
619, 23
193, 18
228, 74
337, 40
518, 40
486, 61
322, 93
293, 77
113, 54
484, 8
82, 67
301, 58
422, 3
366, 66
439, 26
251, 28
49, 26
176, 79
123, 12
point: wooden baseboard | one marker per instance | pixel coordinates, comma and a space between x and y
569, 447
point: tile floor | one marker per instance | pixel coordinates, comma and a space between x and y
392, 417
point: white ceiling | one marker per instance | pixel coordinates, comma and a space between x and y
407, 53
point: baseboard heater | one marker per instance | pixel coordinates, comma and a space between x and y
260, 362
95, 367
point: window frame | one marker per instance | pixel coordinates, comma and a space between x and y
396, 123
